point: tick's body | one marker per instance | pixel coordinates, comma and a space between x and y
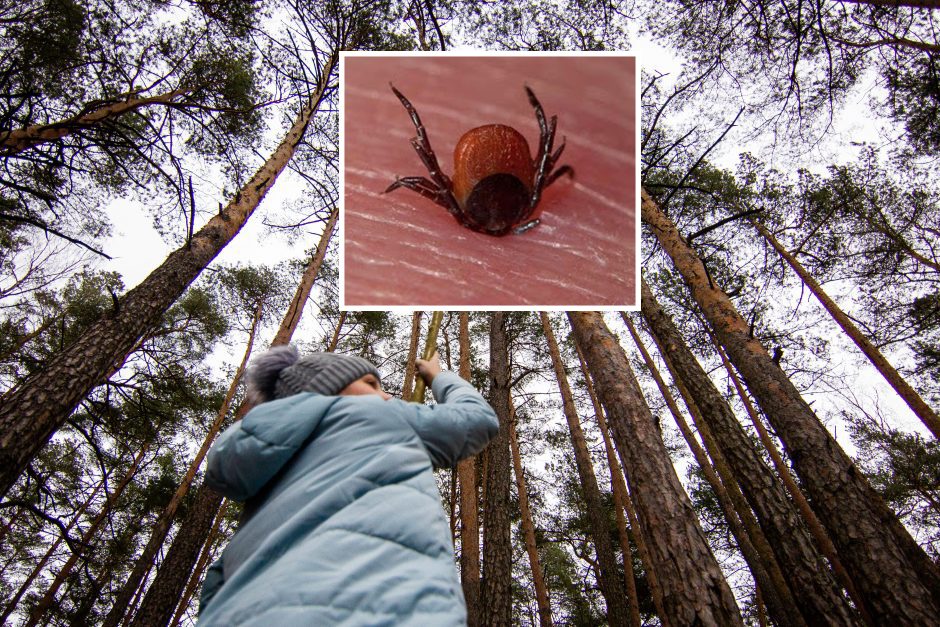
496, 185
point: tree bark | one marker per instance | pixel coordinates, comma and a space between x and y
917, 404
783, 471
18, 140
339, 327
813, 587
608, 577
751, 540
167, 587
496, 587
34, 410
430, 347
622, 503
204, 556
407, 387
469, 501
883, 560
694, 589
163, 524
528, 528
296, 307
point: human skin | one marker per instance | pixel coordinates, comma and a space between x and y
369, 384
402, 249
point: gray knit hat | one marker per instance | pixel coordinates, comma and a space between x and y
281, 372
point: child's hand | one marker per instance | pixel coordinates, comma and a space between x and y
430, 368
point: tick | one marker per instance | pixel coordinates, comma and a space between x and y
497, 185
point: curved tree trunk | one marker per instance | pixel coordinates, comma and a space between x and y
608, 576
888, 567
496, 589
18, 140
302, 293
694, 589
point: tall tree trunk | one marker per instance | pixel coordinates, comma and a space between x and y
161, 528
296, 307
694, 589
621, 503
608, 576
783, 471
194, 530
883, 560
528, 528
814, 588
34, 410
469, 502
917, 404
496, 587
407, 387
339, 327
204, 556
167, 587
43, 605
752, 542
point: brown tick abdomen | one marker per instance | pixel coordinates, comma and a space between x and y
487, 150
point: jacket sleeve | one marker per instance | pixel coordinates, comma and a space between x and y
211, 584
460, 425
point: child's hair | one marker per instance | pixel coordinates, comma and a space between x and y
264, 371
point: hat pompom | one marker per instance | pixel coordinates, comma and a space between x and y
265, 369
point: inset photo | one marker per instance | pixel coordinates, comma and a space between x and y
491, 182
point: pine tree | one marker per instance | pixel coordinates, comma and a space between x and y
694, 589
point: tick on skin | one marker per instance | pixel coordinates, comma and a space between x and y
496, 185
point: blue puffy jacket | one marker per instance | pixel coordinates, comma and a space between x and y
343, 521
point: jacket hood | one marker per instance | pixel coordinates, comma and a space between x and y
251, 452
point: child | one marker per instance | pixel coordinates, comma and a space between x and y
343, 521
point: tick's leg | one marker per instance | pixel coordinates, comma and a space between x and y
525, 227
546, 130
424, 187
565, 169
543, 164
441, 180
554, 158
422, 144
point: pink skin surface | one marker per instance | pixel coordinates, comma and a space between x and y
401, 249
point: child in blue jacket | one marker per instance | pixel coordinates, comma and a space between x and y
343, 521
